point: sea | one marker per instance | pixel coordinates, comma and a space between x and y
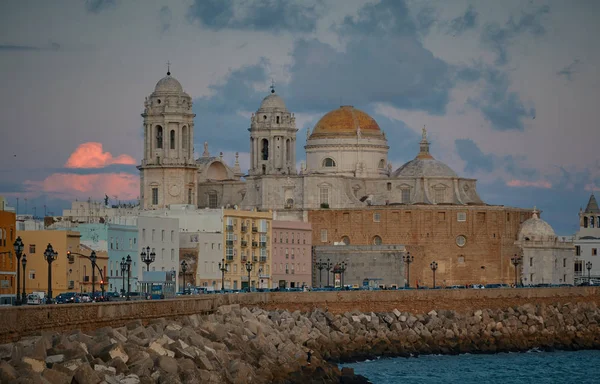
534, 366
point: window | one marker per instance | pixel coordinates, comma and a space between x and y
265, 149
172, 236
376, 217
184, 142
212, 200
461, 240
564, 263
172, 139
439, 195
31, 248
159, 136
389, 186
377, 240
32, 274
323, 235
324, 195
406, 195
531, 261
328, 162
189, 195
172, 254
162, 235
286, 254
154, 196
577, 250
441, 216
346, 240
594, 252
381, 164
461, 216
144, 234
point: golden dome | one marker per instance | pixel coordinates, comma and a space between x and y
346, 121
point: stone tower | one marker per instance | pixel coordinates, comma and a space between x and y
272, 138
168, 173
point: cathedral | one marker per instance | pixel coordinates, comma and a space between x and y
346, 187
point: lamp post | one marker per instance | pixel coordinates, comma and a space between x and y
434, 267
588, 265
18, 246
223, 269
148, 257
320, 266
24, 262
341, 269
328, 267
249, 269
184, 269
50, 255
93, 260
516, 260
408, 258
123, 265
128, 262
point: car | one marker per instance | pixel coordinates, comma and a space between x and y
67, 298
34, 299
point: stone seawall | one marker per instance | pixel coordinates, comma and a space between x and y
240, 345
17, 322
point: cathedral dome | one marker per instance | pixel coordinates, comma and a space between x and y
168, 84
346, 121
535, 228
272, 102
425, 167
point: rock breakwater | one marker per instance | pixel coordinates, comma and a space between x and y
242, 345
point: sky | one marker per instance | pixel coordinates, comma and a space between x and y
508, 90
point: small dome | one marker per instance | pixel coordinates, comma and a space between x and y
272, 102
168, 84
346, 121
536, 228
424, 167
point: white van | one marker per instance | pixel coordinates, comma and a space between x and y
34, 299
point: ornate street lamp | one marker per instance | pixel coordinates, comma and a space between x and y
223, 269
434, 267
328, 267
516, 260
128, 262
588, 265
249, 269
24, 262
123, 265
320, 266
18, 246
184, 269
340, 268
93, 260
50, 255
148, 257
408, 258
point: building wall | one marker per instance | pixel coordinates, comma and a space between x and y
8, 260
546, 262
245, 244
161, 234
209, 247
292, 260
431, 233
587, 245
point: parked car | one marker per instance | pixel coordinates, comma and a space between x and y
85, 298
67, 298
34, 299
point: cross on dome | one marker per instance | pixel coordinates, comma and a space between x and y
272, 86
424, 134
535, 212
168, 68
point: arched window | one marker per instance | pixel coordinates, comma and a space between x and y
585, 222
172, 139
159, 136
277, 119
346, 240
381, 164
265, 149
184, 137
591, 221
377, 240
328, 162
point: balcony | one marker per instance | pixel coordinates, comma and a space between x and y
263, 259
244, 243
229, 228
254, 244
71, 285
71, 259
244, 258
229, 258
255, 258
254, 229
244, 228
229, 243
86, 279
263, 244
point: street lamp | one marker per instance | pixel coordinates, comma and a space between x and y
148, 257
320, 266
249, 269
93, 260
516, 260
128, 262
123, 265
434, 267
50, 255
588, 265
18, 245
408, 258
24, 262
328, 267
184, 269
223, 269
341, 268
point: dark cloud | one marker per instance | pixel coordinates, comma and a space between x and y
498, 38
259, 15
52, 46
464, 22
164, 17
513, 167
472, 155
569, 70
385, 18
97, 6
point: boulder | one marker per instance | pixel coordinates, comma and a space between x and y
86, 375
56, 377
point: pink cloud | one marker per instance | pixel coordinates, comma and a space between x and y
90, 155
69, 186
525, 183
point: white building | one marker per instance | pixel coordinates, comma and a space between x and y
546, 258
29, 223
587, 242
161, 234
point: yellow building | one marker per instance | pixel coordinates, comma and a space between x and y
247, 237
68, 273
8, 261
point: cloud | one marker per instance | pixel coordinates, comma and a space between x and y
164, 18
498, 38
91, 155
464, 22
387, 17
52, 46
530, 184
569, 70
97, 6
258, 15
473, 156
69, 186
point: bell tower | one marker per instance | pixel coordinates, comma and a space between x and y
272, 138
168, 173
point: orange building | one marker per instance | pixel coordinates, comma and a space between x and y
8, 261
